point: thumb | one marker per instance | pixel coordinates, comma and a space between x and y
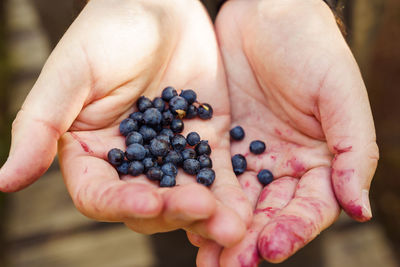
349, 129
48, 111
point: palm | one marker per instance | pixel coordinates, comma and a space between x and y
282, 75
102, 65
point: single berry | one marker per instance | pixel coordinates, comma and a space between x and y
203, 148
148, 163
191, 166
174, 157
116, 156
257, 147
135, 168
265, 177
206, 176
134, 137
123, 168
144, 103
205, 111
147, 132
177, 125
188, 153
189, 95
159, 104
178, 142
193, 138
167, 117
168, 93
154, 174
152, 116
205, 161
137, 116
167, 181
178, 106
135, 152
191, 112
163, 137
237, 133
239, 164
167, 132
159, 148
128, 125
169, 169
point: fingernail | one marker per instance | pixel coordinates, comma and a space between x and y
366, 203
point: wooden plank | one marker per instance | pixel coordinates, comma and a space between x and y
116, 246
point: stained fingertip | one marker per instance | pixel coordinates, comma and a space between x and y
284, 237
359, 209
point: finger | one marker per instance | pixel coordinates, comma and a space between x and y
347, 121
273, 198
48, 111
224, 227
208, 255
97, 191
195, 239
313, 208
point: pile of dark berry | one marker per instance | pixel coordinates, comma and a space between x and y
239, 162
155, 146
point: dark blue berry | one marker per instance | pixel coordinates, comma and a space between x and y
193, 138
173, 157
152, 117
168, 93
163, 137
177, 126
134, 137
191, 166
135, 152
191, 112
169, 169
265, 177
148, 163
239, 164
158, 147
206, 176
203, 148
205, 161
178, 142
135, 168
137, 116
167, 117
144, 103
167, 132
257, 147
147, 132
147, 149
167, 181
128, 125
155, 174
159, 104
116, 156
205, 111
189, 95
123, 168
188, 153
178, 106
237, 133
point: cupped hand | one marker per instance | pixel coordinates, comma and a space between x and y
295, 85
112, 54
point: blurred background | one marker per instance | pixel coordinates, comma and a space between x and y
39, 226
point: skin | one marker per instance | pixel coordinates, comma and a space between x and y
297, 87
112, 54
